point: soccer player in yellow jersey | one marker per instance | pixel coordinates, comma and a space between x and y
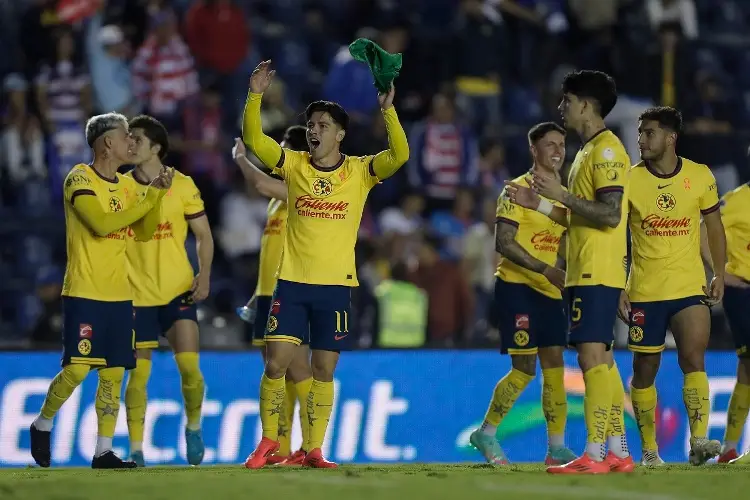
595, 214
165, 290
299, 372
101, 206
326, 195
529, 306
667, 284
735, 214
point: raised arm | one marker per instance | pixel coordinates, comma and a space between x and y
262, 146
387, 162
265, 185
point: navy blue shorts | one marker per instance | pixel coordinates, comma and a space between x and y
737, 309
263, 307
152, 321
97, 333
316, 314
593, 311
528, 319
649, 322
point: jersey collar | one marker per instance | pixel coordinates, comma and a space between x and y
115, 180
329, 169
138, 179
605, 129
664, 176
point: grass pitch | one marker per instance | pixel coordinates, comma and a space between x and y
674, 482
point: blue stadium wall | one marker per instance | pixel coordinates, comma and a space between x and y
391, 406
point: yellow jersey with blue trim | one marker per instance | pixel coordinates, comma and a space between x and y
596, 254
159, 268
539, 235
735, 215
271, 247
324, 213
97, 266
665, 217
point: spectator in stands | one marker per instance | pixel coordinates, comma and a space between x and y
401, 311
451, 225
480, 261
64, 101
275, 113
404, 219
21, 140
681, 12
111, 76
218, 35
443, 155
163, 69
492, 171
47, 331
451, 305
476, 66
36, 31
710, 122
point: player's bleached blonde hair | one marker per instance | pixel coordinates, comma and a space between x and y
100, 124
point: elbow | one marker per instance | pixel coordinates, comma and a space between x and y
613, 221
100, 231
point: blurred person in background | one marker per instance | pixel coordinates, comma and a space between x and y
476, 72
401, 312
48, 327
451, 303
218, 35
480, 262
163, 69
63, 97
681, 12
491, 166
444, 155
37, 33
111, 76
451, 226
21, 141
404, 219
275, 112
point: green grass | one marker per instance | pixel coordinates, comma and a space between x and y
530, 482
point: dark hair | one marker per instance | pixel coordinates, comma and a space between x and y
296, 138
154, 131
338, 114
667, 116
541, 129
594, 85
400, 271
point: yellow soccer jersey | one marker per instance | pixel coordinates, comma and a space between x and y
325, 209
159, 268
537, 234
271, 246
97, 267
665, 217
735, 214
596, 254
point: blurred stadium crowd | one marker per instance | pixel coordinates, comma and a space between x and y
476, 75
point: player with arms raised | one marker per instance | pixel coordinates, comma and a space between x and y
529, 306
326, 195
596, 217
299, 372
100, 207
667, 285
165, 290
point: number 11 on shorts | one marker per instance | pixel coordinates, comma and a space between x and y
338, 322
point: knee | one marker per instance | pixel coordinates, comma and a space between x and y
76, 374
188, 364
113, 375
524, 363
591, 357
645, 367
692, 361
275, 368
322, 370
299, 370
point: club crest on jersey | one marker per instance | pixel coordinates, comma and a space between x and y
521, 338
612, 175
84, 347
273, 324
665, 202
322, 187
636, 333
115, 205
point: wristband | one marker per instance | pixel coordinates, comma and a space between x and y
545, 207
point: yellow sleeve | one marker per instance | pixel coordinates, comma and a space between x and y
731, 212
192, 201
102, 223
285, 166
387, 162
266, 149
609, 164
507, 211
709, 200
